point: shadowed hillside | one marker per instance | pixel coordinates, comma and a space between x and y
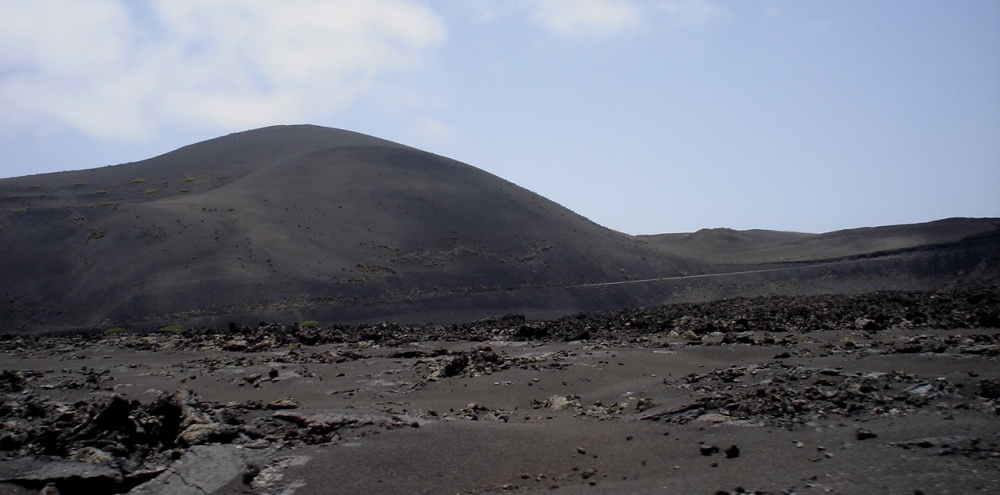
293, 222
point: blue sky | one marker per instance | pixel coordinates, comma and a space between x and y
644, 116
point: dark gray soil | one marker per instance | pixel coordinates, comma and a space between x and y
893, 392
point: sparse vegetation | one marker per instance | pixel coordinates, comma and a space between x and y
185, 190
150, 191
170, 329
309, 324
188, 179
80, 184
137, 180
35, 186
100, 191
115, 331
18, 210
103, 204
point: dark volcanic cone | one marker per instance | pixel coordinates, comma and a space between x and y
295, 222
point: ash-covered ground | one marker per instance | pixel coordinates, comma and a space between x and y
890, 392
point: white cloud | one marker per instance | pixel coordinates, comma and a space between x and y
116, 68
585, 17
594, 18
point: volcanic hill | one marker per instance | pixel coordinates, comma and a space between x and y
297, 221
294, 223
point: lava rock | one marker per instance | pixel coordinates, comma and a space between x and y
732, 452
863, 434
989, 389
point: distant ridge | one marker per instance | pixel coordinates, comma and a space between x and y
715, 246
294, 223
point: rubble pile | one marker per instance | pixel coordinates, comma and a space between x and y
135, 441
954, 309
483, 360
783, 395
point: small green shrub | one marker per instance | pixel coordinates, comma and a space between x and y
100, 191
188, 179
35, 186
18, 210
103, 204
309, 324
115, 331
170, 329
80, 184
185, 190
150, 191
137, 180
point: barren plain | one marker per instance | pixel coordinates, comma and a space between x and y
878, 393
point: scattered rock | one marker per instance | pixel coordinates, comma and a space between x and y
249, 473
727, 322
732, 452
864, 323
644, 404
557, 403
203, 433
788, 395
92, 455
966, 446
863, 434
989, 389
11, 381
202, 469
287, 403
127, 441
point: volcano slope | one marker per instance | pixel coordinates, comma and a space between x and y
294, 223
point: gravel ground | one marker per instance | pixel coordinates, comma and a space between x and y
887, 392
